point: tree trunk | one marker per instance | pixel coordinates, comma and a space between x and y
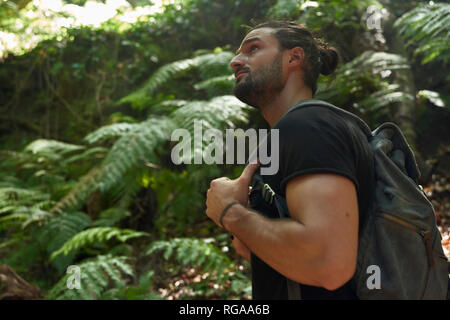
405, 111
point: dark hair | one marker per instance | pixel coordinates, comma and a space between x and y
320, 57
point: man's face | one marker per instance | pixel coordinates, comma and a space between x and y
258, 68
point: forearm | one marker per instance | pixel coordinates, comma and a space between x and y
284, 244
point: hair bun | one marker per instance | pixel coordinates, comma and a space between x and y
329, 58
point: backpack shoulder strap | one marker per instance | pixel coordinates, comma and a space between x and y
319, 103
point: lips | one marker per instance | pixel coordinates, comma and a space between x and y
240, 74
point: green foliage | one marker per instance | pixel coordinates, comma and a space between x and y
199, 253
51, 147
111, 217
114, 130
90, 161
58, 231
141, 291
174, 190
97, 276
364, 84
206, 257
93, 235
434, 97
426, 29
213, 64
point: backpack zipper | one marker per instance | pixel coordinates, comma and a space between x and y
425, 234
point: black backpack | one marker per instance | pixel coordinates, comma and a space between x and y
400, 255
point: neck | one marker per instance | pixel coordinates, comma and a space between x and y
291, 94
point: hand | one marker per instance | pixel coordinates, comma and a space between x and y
223, 191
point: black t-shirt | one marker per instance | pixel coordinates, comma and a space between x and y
314, 139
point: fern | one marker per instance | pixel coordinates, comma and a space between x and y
219, 112
127, 156
79, 194
51, 146
356, 78
169, 71
97, 275
132, 150
111, 131
111, 217
57, 231
426, 29
195, 252
20, 207
15, 198
94, 152
98, 234
216, 86
382, 98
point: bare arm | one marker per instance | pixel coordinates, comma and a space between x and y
318, 245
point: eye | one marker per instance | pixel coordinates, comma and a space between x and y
253, 48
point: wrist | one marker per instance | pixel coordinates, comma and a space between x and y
231, 215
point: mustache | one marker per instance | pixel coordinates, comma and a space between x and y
241, 69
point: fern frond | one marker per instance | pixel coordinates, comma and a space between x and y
226, 82
373, 63
51, 146
195, 252
167, 106
13, 198
111, 217
99, 234
96, 276
168, 71
131, 151
427, 28
80, 193
128, 154
63, 227
380, 99
94, 152
434, 97
110, 131
353, 77
220, 112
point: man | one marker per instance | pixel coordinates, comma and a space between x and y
324, 172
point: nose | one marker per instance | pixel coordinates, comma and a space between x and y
237, 62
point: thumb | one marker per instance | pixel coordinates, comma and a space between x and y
248, 172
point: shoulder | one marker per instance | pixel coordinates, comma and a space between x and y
313, 120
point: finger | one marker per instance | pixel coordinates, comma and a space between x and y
249, 171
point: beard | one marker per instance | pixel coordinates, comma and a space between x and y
260, 86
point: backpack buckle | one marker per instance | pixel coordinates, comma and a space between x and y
267, 193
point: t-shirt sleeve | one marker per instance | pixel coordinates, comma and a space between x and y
315, 140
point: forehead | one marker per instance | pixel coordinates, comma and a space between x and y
262, 34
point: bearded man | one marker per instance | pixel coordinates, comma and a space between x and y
324, 172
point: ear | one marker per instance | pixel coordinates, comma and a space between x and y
296, 57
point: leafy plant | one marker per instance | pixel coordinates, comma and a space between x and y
195, 252
364, 84
215, 63
94, 235
97, 275
426, 29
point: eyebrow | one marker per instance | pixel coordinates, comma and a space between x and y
246, 42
